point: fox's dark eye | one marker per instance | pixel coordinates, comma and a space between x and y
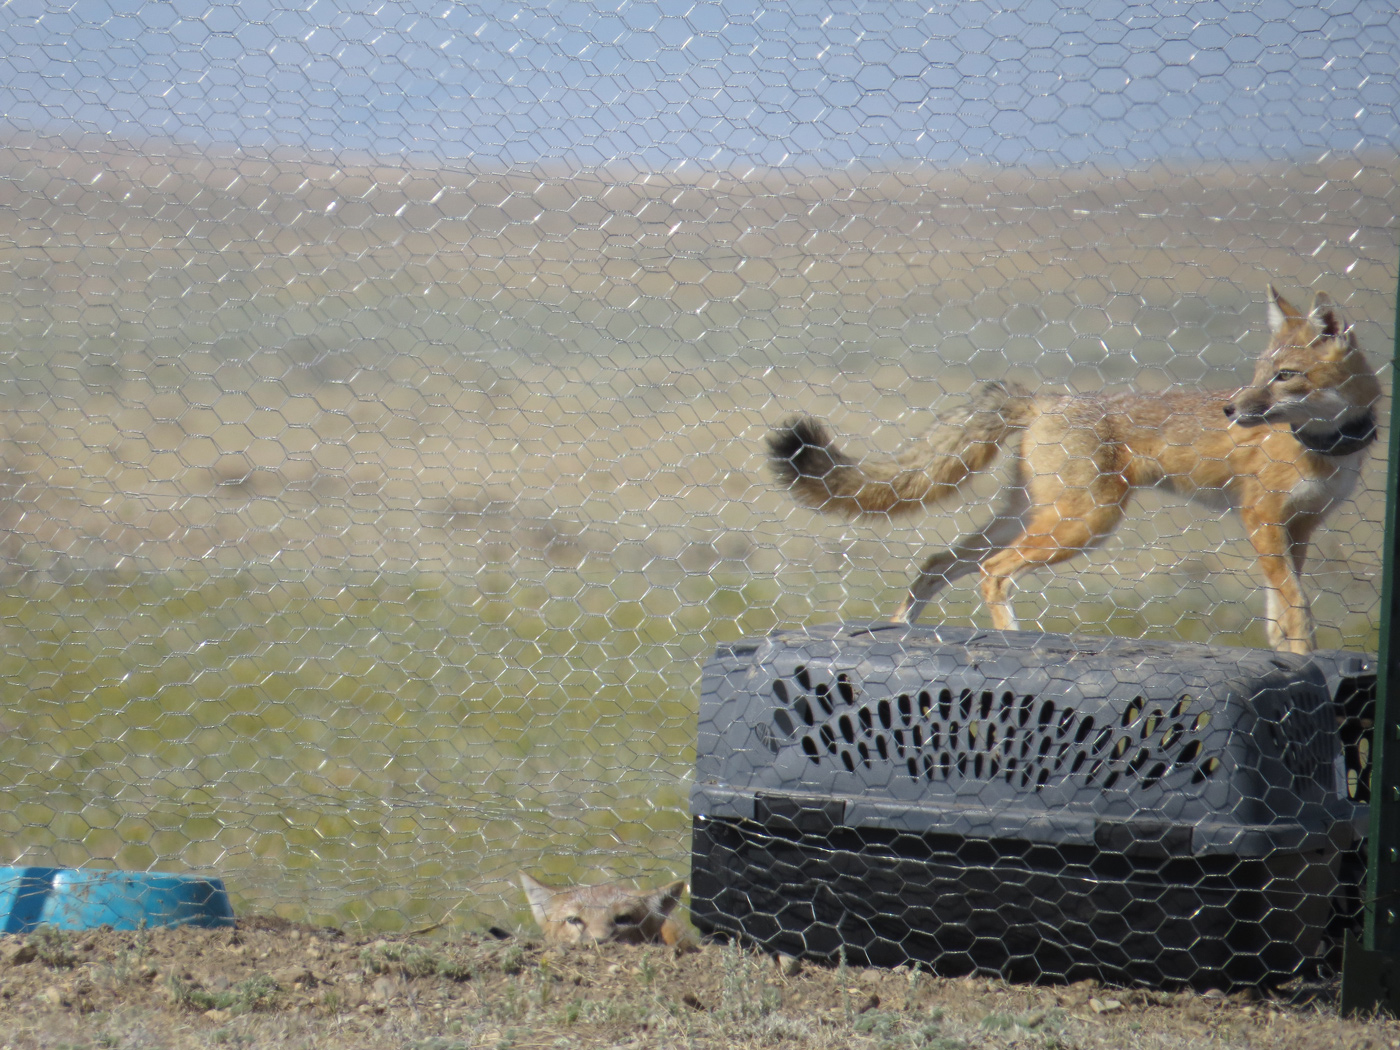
1287, 373
575, 920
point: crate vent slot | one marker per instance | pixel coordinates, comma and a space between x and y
998, 733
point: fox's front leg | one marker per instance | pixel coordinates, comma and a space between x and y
1289, 625
1288, 614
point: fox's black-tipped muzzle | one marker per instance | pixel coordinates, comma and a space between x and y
1243, 419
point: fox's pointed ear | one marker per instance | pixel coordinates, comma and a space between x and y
538, 894
1325, 317
663, 900
1280, 310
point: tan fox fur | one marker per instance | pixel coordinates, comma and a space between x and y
1283, 452
610, 912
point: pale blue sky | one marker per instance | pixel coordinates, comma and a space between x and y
679, 82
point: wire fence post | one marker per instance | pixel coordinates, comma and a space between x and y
1371, 969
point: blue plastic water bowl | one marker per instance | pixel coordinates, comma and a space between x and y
84, 898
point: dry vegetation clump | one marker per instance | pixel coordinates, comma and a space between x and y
269, 982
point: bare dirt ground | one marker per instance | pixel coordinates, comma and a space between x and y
272, 983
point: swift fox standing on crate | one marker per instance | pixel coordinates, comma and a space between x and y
1282, 452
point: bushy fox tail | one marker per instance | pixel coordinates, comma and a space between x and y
964, 440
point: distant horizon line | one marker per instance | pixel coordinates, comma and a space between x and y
1110, 166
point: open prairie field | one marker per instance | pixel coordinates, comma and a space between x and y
365, 526
274, 984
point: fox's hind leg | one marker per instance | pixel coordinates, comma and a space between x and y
967, 554
1079, 520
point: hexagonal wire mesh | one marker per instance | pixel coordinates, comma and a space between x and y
386, 387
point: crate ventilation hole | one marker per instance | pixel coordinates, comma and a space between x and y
982, 735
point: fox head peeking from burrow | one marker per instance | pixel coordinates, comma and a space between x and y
607, 913
1312, 377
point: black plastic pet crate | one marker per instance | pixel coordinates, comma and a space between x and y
1031, 805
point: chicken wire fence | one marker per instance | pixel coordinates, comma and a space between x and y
386, 389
